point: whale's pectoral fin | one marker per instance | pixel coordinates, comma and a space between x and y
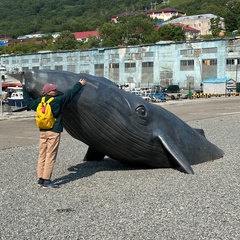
171, 147
93, 155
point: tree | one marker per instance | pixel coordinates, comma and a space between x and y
171, 32
91, 43
111, 35
66, 41
28, 47
215, 26
137, 29
232, 16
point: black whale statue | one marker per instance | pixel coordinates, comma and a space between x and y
122, 126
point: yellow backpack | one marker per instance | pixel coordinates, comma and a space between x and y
44, 115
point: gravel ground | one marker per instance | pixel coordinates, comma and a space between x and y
108, 200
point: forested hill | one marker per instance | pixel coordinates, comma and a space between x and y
19, 17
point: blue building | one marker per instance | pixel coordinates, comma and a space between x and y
186, 64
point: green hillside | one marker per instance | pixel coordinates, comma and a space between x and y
19, 17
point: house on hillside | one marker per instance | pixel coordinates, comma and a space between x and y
200, 22
83, 36
165, 14
31, 36
190, 33
80, 36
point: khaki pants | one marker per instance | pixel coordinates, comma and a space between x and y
48, 149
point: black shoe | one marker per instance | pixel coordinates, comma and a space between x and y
49, 184
40, 182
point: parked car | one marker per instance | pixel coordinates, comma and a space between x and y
198, 89
157, 97
147, 98
171, 89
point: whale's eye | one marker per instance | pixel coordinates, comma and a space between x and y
141, 111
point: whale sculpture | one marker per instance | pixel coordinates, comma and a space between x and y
123, 126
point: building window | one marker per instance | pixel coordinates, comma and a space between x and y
84, 71
85, 58
35, 60
128, 56
209, 62
148, 54
71, 68
46, 60
58, 67
5, 61
35, 68
99, 57
187, 62
138, 56
186, 65
209, 50
114, 57
98, 66
99, 69
46, 67
57, 59
147, 73
71, 58
130, 65
114, 71
114, 65
187, 51
232, 61
25, 61
147, 64
25, 69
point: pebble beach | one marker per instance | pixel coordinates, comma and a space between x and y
108, 200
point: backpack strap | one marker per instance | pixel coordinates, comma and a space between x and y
49, 100
43, 100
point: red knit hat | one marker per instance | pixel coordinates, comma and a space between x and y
49, 87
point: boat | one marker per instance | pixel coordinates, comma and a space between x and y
6, 85
15, 97
9, 80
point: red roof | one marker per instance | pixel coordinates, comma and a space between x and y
84, 35
185, 27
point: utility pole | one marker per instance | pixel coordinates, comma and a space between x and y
153, 4
236, 63
166, 2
